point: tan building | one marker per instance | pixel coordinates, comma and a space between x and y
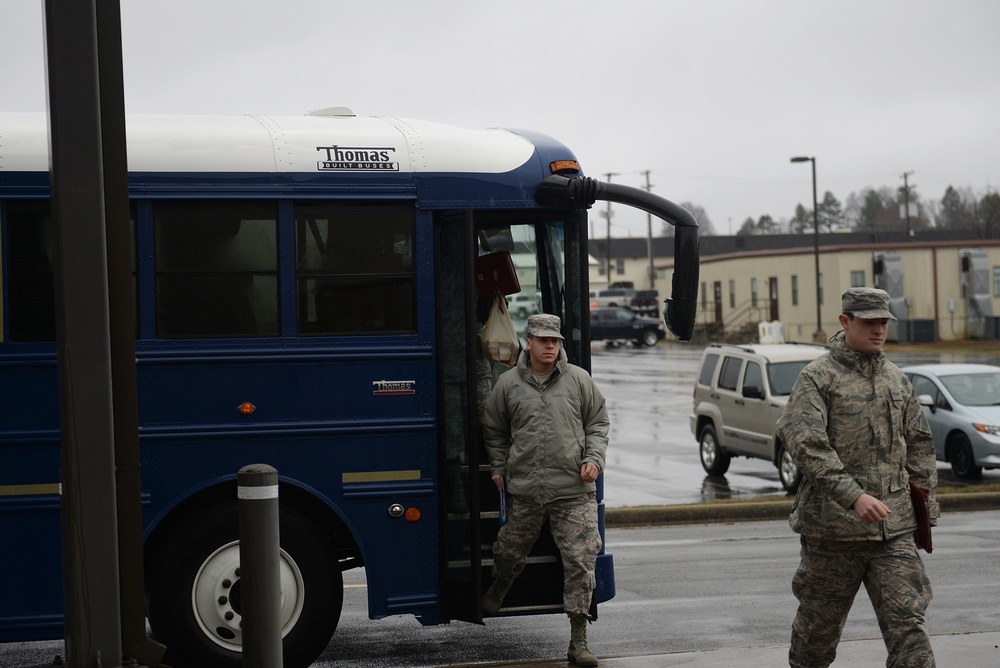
940, 288
629, 263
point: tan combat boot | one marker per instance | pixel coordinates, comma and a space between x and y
493, 597
578, 652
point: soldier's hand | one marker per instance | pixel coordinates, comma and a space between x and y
870, 509
498, 481
588, 472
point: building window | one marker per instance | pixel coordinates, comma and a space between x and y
795, 290
619, 266
819, 280
601, 270
753, 292
704, 292
732, 293
857, 279
996, 281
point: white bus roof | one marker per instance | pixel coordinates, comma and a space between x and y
325, 141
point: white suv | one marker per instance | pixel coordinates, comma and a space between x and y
522, 305
738, 397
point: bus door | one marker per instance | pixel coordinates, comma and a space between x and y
546, 255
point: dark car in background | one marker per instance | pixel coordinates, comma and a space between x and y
615, 324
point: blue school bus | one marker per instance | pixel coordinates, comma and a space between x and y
308, 293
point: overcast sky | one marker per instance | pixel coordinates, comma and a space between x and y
712, 97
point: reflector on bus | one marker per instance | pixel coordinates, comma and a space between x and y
564, 166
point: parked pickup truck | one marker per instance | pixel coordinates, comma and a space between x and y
642, 302
647, 303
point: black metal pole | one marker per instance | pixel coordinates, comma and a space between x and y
88, 503
260, 558
135, 643
819, 336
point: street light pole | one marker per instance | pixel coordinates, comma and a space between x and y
819, 336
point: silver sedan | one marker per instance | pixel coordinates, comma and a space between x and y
962, 406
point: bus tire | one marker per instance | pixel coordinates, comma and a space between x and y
189, 599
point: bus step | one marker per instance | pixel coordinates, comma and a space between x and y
465, 563
540, 559
482, 468
464, 516
523, 609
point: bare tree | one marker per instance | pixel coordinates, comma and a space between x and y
705, 227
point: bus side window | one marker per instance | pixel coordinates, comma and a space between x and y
30, 281
216, 269
355, 272
31, 288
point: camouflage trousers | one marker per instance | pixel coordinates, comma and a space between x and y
573, 523
826, 582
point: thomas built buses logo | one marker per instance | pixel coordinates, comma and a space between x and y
391, 388
356, 159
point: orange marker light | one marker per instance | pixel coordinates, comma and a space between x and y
412, 514
561, 166
246, 408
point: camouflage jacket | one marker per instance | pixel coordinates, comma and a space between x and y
853, 425
537, 438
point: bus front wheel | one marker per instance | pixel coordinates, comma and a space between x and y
194, 601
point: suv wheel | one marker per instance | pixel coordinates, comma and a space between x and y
714, 459
650, 338
788, 472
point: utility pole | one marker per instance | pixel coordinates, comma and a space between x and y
607, 214
649, 235
906, 197
819, 336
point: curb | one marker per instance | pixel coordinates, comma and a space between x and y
721, 513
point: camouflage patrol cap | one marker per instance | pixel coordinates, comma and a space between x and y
866, 303
544, 325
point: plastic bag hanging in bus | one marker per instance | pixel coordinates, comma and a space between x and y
500, 342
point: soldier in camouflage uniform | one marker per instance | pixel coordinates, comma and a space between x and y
858, 434
546, 430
